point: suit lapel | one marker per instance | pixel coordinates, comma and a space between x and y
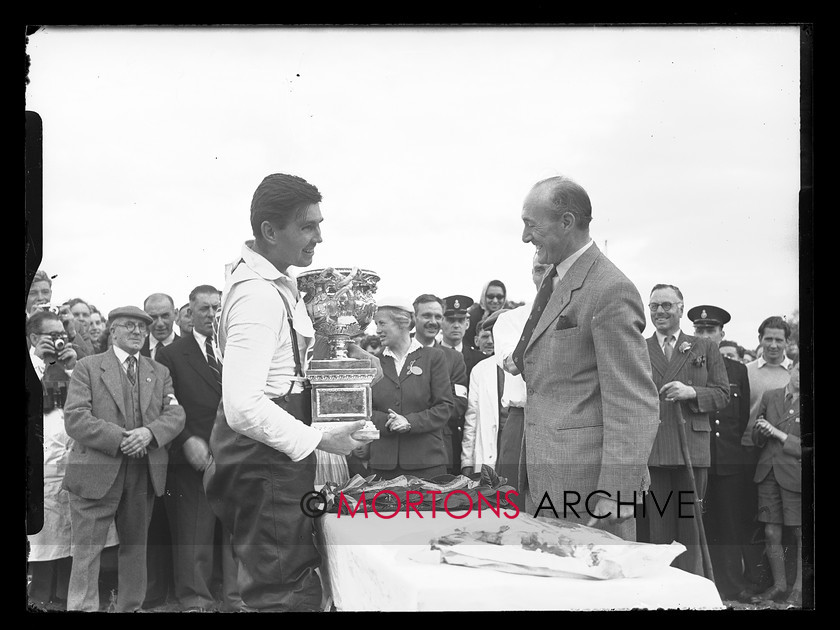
389, 369
679, 358
111, 377
657, 358
196, 360
145, 382
562, 294
411, 356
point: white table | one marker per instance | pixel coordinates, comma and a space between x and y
375, 564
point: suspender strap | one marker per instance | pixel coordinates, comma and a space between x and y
295, 349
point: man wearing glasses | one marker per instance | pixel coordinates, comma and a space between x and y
121, 412
689, 373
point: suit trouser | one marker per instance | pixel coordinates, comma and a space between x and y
677, 521
159, 570
510, 447
128, 503
196, 550
724, 507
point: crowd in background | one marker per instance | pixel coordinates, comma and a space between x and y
58, 335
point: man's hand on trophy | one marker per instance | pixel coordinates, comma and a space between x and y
340, 439
354, 351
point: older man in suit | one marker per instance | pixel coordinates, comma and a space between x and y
692, 382
592, 411
121, 413
199, 545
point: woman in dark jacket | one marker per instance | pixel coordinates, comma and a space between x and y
412, 402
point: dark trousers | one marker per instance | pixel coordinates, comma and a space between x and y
50, 580
726, 531
510, 448
129, 503
159, 572
677, 519
199, 551
256, 492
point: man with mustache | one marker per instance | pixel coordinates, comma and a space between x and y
428, 316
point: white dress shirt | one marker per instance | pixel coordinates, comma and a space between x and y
165, 342
256, 346
661, 339
563, 267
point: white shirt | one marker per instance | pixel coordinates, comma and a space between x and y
201, 340
122, 356
661, 339
563, 267
400, 361
256, 346
506, 333
165, 342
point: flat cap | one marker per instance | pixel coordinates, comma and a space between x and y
129, 311
707, 315
456, 305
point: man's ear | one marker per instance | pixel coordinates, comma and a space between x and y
268, 231
33, 338
722, 334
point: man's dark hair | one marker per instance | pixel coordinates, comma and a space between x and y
427, 297
74, 301
774, 321
566, 195
201, 288
676, 289
35, 323
159, 295
279, 198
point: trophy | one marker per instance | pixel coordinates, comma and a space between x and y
340, 303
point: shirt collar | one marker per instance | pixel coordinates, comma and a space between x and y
260, 265
661, 338
122, 355
786, 363
563, 267
165, 342
446, 345
201, 339
414, 345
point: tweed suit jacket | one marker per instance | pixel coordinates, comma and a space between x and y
424, 399
592, 410
195, 385
783, 458
95, 416
711, 383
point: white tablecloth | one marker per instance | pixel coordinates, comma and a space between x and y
375, 564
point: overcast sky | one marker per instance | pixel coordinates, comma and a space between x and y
424, 143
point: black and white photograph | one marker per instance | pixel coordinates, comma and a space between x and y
419, 318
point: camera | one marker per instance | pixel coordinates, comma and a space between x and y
59, 341
47, 307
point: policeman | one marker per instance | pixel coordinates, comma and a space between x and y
731, 500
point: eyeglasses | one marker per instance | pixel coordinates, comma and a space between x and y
495, 296
132, 326
666, 306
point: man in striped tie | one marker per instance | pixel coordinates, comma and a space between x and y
197, 379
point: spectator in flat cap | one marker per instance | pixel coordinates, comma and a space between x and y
731, 499
412, 402
483, 422
121, 412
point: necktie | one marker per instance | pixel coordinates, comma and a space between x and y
211, 359
667, 347
132, 369
540, 302
157, 349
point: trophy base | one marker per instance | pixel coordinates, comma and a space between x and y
367, 432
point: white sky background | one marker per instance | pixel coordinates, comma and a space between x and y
424, 143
